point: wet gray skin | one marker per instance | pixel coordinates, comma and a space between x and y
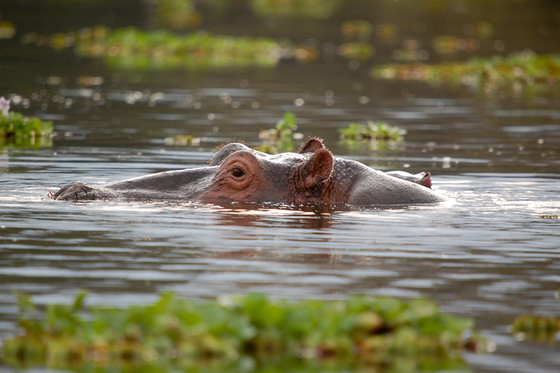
239, 174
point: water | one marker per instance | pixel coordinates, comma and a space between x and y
487, 254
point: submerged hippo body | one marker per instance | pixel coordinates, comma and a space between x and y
240, 174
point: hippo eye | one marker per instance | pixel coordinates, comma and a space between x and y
237, 172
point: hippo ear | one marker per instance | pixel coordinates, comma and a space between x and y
317, 169
311, 146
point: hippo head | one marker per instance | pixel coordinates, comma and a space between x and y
238, 173
247, 175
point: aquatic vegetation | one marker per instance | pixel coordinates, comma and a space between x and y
447, 44
178, 14
374, 136
518, 68
282, 138
372, 131
131, 48
357, 50
386, 33
536, 328
7, 30
357, 34
160, 49
181, 140
357, 30
313, 9
175, 332
17, 130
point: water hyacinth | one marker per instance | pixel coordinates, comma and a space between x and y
132, 48
19, 131
372, 131
310, 9
518, 68
536, 328
7, 30
178, 14
181, 140
182, 333
282, 138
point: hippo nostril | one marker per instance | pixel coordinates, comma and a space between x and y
237, 172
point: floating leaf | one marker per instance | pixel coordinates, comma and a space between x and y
282, 138
19, 131
132, 48
372, 131
365, 330
312, 9
537, 328
525, 68
182, 140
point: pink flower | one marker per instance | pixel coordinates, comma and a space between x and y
4, 106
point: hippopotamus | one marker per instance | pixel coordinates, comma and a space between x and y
237, 173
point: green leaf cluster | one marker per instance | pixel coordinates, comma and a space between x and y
19, 131
132, 48
525, 68
362, 330
178, 14
181, 140
281, 138
536, 328
311, 9
372, 131
358, 50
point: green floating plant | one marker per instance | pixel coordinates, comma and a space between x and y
282, 138
181, 140
526, 68
363, 330
7, 29
358, 50
178, 14
294, 9
19, 131
131, 48
357, 30
372, 131
536, 328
